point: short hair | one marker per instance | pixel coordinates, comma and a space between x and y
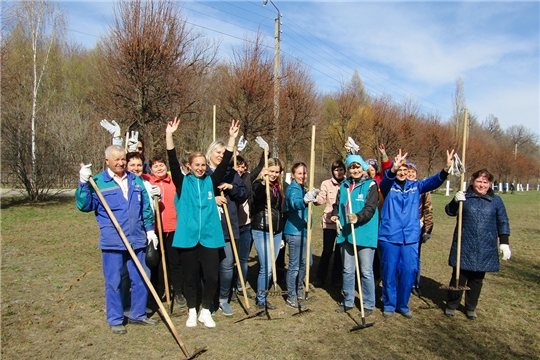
338, 164
481, 173
218, 144
113, 148
194, 155
134, 155
156, 159
297, 165
240, 160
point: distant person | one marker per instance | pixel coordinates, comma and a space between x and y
128, 200
485, 228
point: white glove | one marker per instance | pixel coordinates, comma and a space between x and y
85, 173
352, 218
241, 144
310, 196
260, 141
133, 141
151, 237
154, 190
282, 244
460, 196
338, 227
457, 167
504, 249
112, 127
353, 148
426, 237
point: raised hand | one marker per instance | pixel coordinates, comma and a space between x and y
382, 149
172, 126
398, 161
112, 127
234, 129
449, 159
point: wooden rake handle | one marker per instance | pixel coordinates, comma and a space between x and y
353, 235
270, 223
162, 248
235, 252
139, 267
460, 211
310, 209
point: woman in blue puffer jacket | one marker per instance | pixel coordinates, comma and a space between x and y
484, 228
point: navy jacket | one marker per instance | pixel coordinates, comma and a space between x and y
484, 221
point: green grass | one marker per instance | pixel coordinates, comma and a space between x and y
53, 304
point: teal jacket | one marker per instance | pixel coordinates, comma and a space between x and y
297, 210
196, 208
134, 215
364, 199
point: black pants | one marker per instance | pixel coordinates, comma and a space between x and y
473, 280
207, 259
174, 264
330, 247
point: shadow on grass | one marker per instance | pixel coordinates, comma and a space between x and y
8, 202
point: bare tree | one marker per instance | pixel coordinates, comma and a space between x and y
34, 30
299, 106
520, 136
153, 62
245, 88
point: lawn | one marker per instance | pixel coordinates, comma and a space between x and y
53, 304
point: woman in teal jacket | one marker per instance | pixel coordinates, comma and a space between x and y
198, 232
296, 200
365, 217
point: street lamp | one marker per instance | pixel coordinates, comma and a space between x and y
277, 76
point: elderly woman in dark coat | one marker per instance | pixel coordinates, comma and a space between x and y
484, 229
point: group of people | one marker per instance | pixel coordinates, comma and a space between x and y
207, 203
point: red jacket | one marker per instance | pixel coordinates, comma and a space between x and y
166, 205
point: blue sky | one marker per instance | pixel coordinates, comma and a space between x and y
408, 50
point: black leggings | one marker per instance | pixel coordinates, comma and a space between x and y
206, 259
174, 264
473, 280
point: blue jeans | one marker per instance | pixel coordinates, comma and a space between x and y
398, 261
365, 261
296, 271
113, 262
226, 271
244, 248
261, 239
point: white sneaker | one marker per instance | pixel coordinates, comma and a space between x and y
206, 318
192, 318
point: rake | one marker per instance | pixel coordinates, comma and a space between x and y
458, 287
274, 292
238, 267
162, 248
162, 309
310, 210
353, 234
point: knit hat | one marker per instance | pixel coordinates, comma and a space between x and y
411, 165
356, 159
373, 162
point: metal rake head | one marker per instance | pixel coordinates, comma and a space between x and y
197, 352
275, 292
301, 312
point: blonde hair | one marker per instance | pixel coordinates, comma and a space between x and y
218, 144
274, 162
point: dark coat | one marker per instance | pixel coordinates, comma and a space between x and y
484, 221
237, 195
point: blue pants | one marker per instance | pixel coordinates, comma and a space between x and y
226, 271
398, 261
262, 244
244, 248
296, 271
113, 268
365, 261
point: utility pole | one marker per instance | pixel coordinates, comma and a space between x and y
277, 78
